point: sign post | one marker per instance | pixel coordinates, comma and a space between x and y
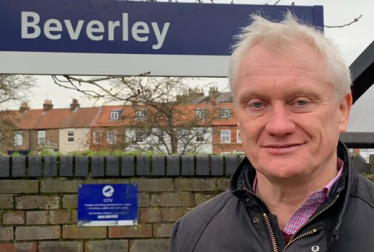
83, 37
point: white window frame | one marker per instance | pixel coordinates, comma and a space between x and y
199, 135
225, 113
140, 115
41, 137
238, 137
139, 135
18, 138
111, 137
114, 115
70, 136
96, 137
200, 113
225, 138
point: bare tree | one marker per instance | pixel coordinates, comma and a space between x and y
160, 114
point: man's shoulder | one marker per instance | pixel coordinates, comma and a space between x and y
364, 190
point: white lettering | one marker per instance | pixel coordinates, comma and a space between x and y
111, 26
108, 200
140, 28
52, 25
95, 30
95, 26
160, 36
25, 25
74, 34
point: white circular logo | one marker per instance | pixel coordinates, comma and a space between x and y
108, 191
315, 248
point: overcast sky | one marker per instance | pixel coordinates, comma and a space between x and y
351, 41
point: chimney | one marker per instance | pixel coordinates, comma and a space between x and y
47, 105
74, 106
24, 107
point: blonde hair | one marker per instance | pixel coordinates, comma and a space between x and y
284, 35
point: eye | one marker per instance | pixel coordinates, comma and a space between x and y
256, 105
301, 102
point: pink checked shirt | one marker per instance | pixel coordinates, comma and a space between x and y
315, 200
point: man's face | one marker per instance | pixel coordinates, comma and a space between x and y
288, 117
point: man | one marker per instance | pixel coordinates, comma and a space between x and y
297, 190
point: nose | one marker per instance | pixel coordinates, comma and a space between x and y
279, 121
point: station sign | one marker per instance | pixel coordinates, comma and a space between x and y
88, 37
107, 204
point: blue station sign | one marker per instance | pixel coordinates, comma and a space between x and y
126, 37
107, 204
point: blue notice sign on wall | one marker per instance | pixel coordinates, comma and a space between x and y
107, 204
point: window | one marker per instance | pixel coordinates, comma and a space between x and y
225, 136
97, 137
114, 115
140, 137
200, 135
70, 136
140, 115
111, 137
41, 137
18, 138
238, 138
225, 113
200, 113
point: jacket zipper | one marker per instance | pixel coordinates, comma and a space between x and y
267, 221
293, 238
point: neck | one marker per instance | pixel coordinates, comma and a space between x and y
285, 196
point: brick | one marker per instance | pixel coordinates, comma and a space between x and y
148, 215
38, 233
112, 166
223, 184
162, 230
154, 185
34, 166
81, 166
38, 202
6, 234
6, 201
37, 217
174, 214
216, 165
97, 166
202, 197
61, 246
188, 165
195, 185
158, 165
202, 165
173, 165
128, 166
172, 199
18, 167
14, 218
50, 166
4, 167
59, 217
107, 246
142, 166
74, 217
60, 186
144, 200
19, 186
70, 201
18, 247
139, 231
75, 232
157, 245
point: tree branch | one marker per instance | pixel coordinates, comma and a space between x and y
344, 25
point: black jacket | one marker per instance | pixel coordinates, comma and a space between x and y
238, 221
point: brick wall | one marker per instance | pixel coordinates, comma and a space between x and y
38, 199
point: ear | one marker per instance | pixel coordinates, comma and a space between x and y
345, 110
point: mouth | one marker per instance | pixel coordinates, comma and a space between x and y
284, 148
